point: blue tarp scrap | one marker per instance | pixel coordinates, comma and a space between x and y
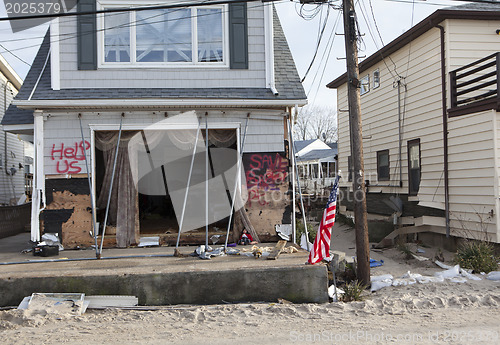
375, 263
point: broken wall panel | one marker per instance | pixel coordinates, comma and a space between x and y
68, 211
268, 204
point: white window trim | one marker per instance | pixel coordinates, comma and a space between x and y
377, 85
366, 84
107, 4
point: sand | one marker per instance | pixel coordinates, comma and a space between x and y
434, 313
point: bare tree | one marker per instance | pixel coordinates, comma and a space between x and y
316, 122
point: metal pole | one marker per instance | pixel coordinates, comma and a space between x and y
236, 184
353, 94
292, 162
206, 181
187, 188
92, 205
111, 185
296, 170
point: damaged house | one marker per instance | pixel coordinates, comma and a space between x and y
174, 87
430, 106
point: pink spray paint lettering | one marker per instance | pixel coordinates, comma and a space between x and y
67, 157
265, 172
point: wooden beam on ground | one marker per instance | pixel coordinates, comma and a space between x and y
405, 230
277, 250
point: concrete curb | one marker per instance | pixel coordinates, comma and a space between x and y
298, 284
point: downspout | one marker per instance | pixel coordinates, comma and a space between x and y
445, 133
400, 135
4, 132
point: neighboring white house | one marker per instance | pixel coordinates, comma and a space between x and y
317, 165
11, 146
228, 64
430, 107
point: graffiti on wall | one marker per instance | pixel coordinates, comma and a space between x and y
68, 157
266, 176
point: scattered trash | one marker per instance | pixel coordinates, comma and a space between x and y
303, 243
375, 263
419, 258
58, 303
215, 238
74, 303
331, 292
43, 249
283, 301
493, 275
206, 254
420, 250
232, 251
454, 274
442, 265
284, 231
96, 302
379, 282
449, 273
51, 239
153, 241
257, 252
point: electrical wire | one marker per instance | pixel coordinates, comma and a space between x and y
317, 44
14, 55
136, 23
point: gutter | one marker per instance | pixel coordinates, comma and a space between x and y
425, 25
445, 132
152, 103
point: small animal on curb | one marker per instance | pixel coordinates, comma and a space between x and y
257, 252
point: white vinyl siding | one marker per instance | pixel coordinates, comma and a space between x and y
11, 187
264, 133
474, 146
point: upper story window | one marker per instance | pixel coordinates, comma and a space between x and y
188, 36
383, 165
376, 78
365, 84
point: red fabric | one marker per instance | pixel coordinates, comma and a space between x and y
247, 235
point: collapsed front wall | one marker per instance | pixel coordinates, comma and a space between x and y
68, 210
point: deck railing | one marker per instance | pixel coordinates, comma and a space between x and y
476, 84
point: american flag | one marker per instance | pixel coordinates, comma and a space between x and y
321, 247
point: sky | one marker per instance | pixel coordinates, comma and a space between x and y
392, 17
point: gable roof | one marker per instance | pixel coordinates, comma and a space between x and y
286, 78
476, 11
9, 73
316, 155
298, 145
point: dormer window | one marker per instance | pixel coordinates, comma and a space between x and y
180, 36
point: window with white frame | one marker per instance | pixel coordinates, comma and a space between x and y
165, 36
365, 84
376, 78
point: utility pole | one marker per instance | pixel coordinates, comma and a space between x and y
353, 89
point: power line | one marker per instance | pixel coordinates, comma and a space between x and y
14, 55
137, 22
129, 9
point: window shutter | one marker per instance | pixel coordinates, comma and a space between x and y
238, 36
87, 36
